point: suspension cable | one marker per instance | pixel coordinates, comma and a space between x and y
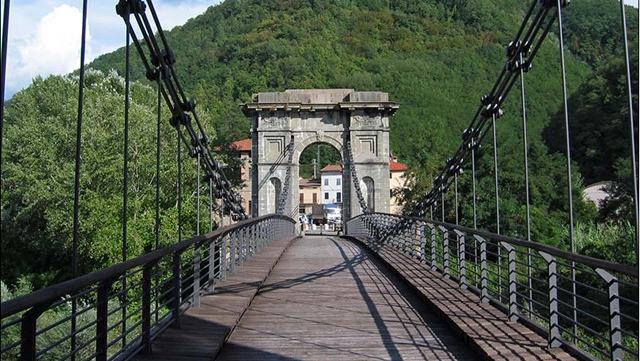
125, 173
520, 54
284, 194
161, 60
158, 144
495, 169
634, 168
569, 168
356, 182
3, 70
78, 160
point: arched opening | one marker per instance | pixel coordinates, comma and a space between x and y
320, 182
368, 192
315, 157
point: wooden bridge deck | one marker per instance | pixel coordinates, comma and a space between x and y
327, 298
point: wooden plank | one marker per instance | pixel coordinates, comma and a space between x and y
329, 299
203, 330
483, 326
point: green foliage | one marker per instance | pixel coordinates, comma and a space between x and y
593, 29
599, 123
436, 58
322, 153
38, 178
57, 321
611, 241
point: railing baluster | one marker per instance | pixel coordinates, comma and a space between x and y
445, 251
234, 252
462, 259
423, 242
554, 326
146, 307
176, 292
484, 281
513, 296
196, 277
223, 258
102, 320
434, 251
211, 281
615, 327
28, 332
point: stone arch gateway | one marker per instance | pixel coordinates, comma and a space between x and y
305, 117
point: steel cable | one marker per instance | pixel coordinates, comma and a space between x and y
520, 54
634, 166
162, 61
125, 175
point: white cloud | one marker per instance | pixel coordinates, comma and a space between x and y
53, 47
45, 35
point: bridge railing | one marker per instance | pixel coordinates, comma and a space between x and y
114, 313
596, 316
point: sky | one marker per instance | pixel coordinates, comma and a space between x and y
45, 35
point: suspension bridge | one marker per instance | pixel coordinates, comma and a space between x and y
391, 288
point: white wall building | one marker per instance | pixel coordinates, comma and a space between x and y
331, 184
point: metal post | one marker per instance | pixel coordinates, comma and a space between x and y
210, 266
196, 276
423, 243
146, 308
223, 258
615, 326
28, 332
434, 260
243, 247
462, 262
445, 251
176, 290
484, 289
554, 325
234, 252
513, 297
102, 323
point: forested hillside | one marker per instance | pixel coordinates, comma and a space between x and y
435, 57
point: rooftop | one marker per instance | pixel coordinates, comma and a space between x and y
332, 168
243, 145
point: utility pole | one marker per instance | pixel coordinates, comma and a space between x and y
315, 169
318, 155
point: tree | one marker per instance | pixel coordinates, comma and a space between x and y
38, 178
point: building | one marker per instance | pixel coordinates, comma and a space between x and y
331, 177
326, 190
310, 190
397, 180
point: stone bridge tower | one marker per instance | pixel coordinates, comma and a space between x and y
330, 116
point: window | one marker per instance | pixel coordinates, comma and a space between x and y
338, 181
315, 198
339, 197
301, 198
326, 181
326, 195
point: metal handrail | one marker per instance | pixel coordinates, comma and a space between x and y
182, 272
472, 258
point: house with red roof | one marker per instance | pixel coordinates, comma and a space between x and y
326, 190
